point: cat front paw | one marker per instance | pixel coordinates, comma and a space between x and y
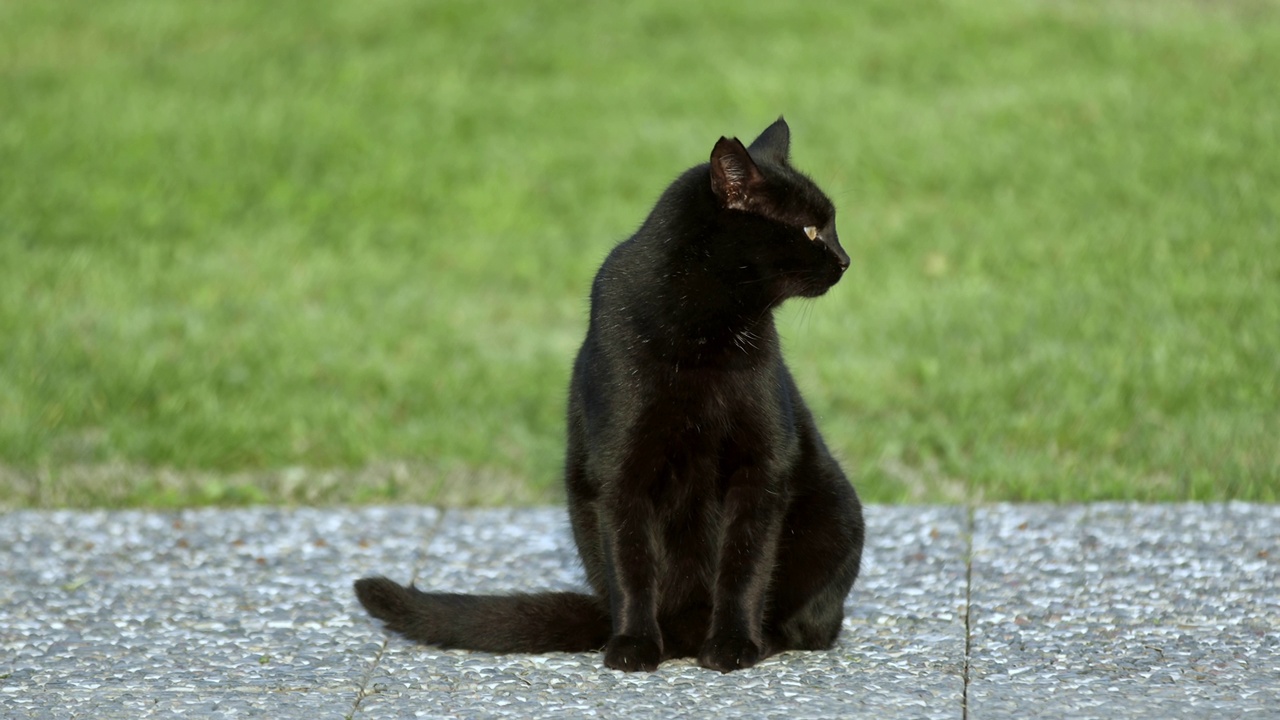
630, 654
727, 653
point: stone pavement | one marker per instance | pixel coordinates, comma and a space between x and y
1004, 611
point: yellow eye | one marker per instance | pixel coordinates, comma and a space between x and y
812, 232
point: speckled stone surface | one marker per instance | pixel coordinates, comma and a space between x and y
1107, 611
1095, 611
197, 613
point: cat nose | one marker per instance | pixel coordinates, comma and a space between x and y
842, 259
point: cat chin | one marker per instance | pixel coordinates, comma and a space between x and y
814, 292
813, 288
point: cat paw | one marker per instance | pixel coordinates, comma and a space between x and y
728, 653
629, 653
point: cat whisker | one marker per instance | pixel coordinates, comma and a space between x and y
808, 312
745, 338
767, 278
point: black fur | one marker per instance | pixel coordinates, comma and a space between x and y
710, 517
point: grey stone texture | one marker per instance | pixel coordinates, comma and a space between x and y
1105, 611
1004, 611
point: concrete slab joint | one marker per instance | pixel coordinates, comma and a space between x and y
1002, 611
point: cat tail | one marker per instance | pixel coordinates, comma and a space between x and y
529, 623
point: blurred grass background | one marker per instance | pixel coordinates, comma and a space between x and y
340, 251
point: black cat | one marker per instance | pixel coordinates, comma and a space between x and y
711, 519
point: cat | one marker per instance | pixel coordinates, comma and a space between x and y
710, 517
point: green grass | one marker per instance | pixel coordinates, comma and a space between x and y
239, 238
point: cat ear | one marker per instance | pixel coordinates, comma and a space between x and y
734, 174
774, 144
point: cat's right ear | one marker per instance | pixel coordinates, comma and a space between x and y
734, 175
774, 144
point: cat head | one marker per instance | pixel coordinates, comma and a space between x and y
783, 226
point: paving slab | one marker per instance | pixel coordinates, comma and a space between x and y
201, 613
1119, 611
249, 612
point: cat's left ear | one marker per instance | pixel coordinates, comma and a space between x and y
734, 175
774, 144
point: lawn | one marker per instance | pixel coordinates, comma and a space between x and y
340, 251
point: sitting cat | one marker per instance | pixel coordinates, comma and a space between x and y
710, 517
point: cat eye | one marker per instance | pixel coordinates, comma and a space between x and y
812, 232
